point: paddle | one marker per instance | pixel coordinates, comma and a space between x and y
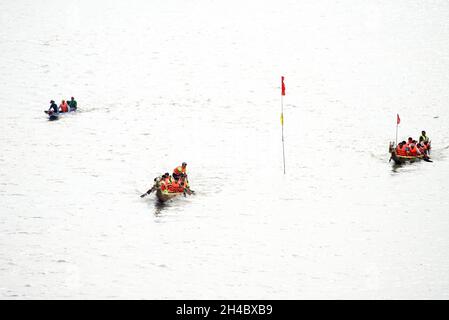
148, 192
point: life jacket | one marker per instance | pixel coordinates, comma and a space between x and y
64, 107
163, 186
400, 151
173, 187
178, 170
413, 151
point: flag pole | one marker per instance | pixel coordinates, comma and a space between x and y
397, 125
282, 120
398, 120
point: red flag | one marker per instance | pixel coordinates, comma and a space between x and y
283, 87
398, 121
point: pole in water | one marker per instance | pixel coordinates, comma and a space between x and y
396, 134
282, 119
398, 121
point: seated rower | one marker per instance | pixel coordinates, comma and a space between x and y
400, 149
53, 106
154, 187
168, 178
181, 187
174, 186
164, 182
414, 150
72, 104
64, 107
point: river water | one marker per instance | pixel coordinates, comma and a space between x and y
159, 83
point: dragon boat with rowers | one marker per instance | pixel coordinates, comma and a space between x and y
168, 186
411, 150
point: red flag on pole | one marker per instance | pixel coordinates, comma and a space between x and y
283, 87
398, 121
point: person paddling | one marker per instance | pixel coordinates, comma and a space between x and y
53, 106
72, 104
64, 107
180, 171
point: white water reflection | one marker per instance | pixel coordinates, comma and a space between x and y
199, 82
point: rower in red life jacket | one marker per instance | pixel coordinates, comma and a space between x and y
174, 186
398, 147
400, 150
164, 181
167, 178
64, 106
180, 171
414, 150
181, 186
420, 145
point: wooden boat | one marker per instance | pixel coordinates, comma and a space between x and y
399, 159
165, 196
55, 115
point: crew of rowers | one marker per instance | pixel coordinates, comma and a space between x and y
175, 183
168, 183
414, 148
65, 106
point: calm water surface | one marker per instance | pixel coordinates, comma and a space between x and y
158, 84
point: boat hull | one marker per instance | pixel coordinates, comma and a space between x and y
52, 116
163, 197
405, 159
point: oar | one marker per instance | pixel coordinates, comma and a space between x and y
148, 192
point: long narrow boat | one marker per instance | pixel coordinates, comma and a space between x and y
399, 159
165, 196
55, 115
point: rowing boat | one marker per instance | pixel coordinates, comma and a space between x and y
55, 115
165, 196
400, 159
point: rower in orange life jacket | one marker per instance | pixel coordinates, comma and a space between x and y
167, 178
174, 186
182, 187
400, 150
64, 106
180, 171
164, 181
414, 150
163, 185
